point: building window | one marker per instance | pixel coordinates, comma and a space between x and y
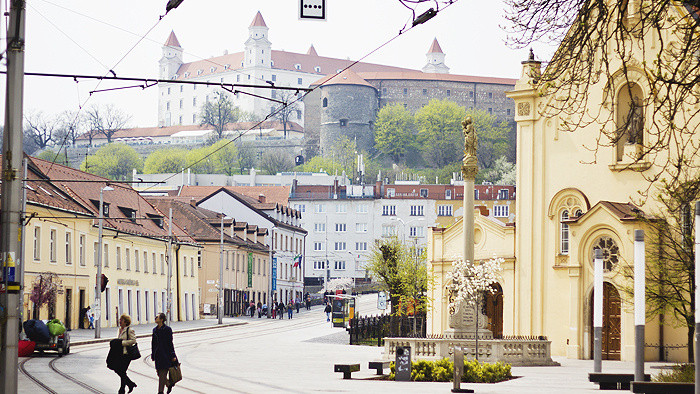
476, 194
390, 192
361, 227
119, 257
448, 92
340, 265
81, 250
343, 122
168, 91
508, 111
199, 259
383, 90
69, 248
416, 210
153, 261
318, 246
444, 210
319, 265
500, 211
388, 230
194, 118
361, 246
340, 227
136, 260
300, 207
94, 253
564, 231
320, 208
389, 210
490, 95
341, 208
503, 194
340, 246
471, 94
424, 193
145, 262
611, 252
105, 255
127, 255
490, 110
52, 245
405, 90
37, 243
362, 208
274, 77
320, 227
325, 102
299, 81
167, 105
425, 92
416, 231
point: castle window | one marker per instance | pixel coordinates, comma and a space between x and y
471, 94
181, 88
297, 66
238, 78
199, 72
317, 69
194, 118
343, 122
325, 102
227, 66
448, 92
167, 106
490, 110
425, 92
187, 74
168, 91
383, 90
181, 104
212, 69
508, 111
490, 95
299, 81
274, 77
298, 114
180, 119
405, 91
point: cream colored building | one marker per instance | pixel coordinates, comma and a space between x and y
570, 201
62, 238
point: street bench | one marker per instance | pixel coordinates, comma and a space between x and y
379, 366
346, 369
663, 387
614, 381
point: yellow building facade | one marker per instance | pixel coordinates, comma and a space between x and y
572, 200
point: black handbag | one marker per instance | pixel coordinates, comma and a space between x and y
133, 352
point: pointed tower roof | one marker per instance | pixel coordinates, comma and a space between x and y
312, 51
435, 47
258, 21
172, 40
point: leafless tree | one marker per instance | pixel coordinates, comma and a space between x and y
40, 129
219, 113
70, 128
287, 109
107, 120
273, 162
613, 45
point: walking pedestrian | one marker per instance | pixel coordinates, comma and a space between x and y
308, 301
290, 308
259, 309
251, 310
297, 304
280, 310
118, 358
273, 309
163, 351
91, 319
82, 315
328, 312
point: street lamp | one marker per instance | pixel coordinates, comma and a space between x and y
273, 274
220, 293
98, 278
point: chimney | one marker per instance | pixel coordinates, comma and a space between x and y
378, 189
261, 198
193, 202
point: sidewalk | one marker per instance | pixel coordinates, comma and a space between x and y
87, 336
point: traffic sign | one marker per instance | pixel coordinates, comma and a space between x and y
312, 9
381, 300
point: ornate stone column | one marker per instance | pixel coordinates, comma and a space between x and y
463, 320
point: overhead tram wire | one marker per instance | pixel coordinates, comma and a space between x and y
111, 70
427, 15
159, 43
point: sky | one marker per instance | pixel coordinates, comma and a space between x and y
92, 37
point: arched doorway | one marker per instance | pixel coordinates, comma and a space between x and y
611, 322
493, 307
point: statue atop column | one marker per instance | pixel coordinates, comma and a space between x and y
469, 164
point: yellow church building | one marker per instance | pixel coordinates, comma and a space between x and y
571, 200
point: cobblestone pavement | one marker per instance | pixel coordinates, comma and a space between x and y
252, 355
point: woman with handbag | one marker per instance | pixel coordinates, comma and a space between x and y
128, 344
163, 352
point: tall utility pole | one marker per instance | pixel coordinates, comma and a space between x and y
220, 292
169, 302
11, 199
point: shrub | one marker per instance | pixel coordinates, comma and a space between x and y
679, 373
443, 370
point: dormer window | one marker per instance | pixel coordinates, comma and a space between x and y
297, 66
212, 69
187, 74
129, 213
157, 219
227, 66
338, 71
199, 72
317, 69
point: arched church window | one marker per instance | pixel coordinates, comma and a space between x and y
325, 102
578, 213
564, 233
611, 252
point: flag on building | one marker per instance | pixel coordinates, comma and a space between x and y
297, 260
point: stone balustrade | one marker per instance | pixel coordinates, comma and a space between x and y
516, 352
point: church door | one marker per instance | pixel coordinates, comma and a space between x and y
611, 323
493, 305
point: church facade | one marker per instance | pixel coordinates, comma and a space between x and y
570, 202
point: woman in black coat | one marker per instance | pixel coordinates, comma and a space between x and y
163, 351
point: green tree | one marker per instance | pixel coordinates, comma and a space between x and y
219, 112
273, 162
344, 152
163, 161
201, 160
245, 154
503, 172
50, 155
399, 271
225, 156
393, 132
114, 161
321, 164
493, 137
439, 127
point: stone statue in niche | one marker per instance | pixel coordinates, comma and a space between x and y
634, 125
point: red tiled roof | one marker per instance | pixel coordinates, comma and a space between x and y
122, 200
435, 47
258, 20
167, 131
172, 40
273, 194
347, 77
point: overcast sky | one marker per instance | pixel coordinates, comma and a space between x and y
91, 36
